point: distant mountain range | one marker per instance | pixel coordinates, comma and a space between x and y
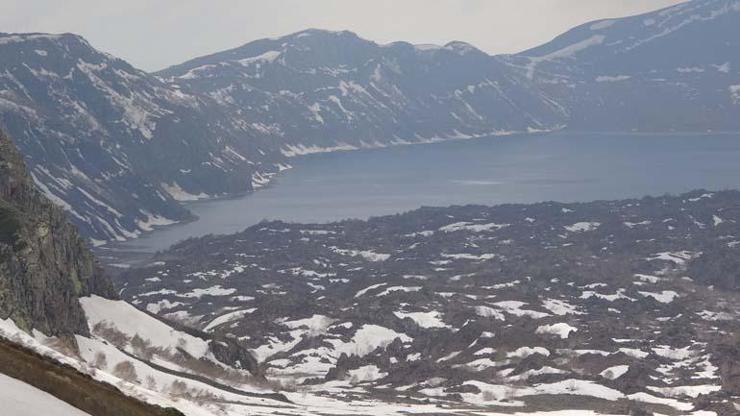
119, 148
671, 70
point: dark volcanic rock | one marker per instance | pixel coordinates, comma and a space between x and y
581, 300
228, 351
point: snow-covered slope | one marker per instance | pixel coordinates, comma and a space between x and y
20, 399
148, 374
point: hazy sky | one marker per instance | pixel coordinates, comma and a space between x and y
153, 34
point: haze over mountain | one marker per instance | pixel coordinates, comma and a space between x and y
119, 147
588, 308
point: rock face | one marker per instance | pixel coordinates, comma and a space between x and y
44, 264
120, 148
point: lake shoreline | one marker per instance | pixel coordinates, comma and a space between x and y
561, 166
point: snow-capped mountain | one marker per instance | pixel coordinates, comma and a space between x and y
674, 69
119, 148
115, 146
335, 90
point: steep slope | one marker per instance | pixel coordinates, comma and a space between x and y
673, 69
113, 145
45, 265
318, 89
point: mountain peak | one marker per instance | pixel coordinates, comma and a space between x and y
61, 38
463, 47
320, 32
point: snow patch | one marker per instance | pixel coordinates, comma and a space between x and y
580, 227
561, 330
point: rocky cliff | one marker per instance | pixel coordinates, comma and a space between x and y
45, 265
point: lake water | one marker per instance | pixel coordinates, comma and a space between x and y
564, 167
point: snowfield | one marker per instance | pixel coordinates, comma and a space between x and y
20, 399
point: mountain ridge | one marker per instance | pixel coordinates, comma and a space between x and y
223, 124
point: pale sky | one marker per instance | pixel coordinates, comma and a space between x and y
153, 34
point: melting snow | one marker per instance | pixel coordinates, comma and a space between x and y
561, 329
398, 289
228, 317
178, 194
269, 56
317, 324
365, 290
424, 319
468, 226
367, 339
21, 399
666, 296
130, 321
582, 226
559, 307
613, 373
525, 352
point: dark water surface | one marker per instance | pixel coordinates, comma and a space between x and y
565, 167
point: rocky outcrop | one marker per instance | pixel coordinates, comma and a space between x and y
234, 354
45, 266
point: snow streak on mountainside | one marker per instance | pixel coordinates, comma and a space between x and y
674, 69
323, 90
114, 146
